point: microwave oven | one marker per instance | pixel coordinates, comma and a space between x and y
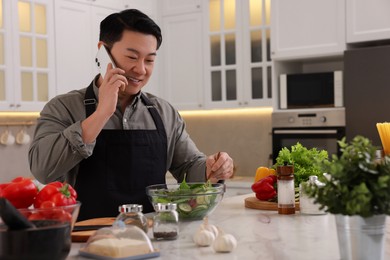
311, 90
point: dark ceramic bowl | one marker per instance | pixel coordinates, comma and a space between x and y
50, 240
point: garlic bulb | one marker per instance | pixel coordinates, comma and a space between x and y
224, 242
206, 225
203, 237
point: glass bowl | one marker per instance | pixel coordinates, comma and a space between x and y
67, 213
194, 201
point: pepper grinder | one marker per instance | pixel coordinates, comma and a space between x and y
286, 189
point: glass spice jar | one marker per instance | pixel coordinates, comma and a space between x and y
306, 203
131, 214
286, 189
165, 222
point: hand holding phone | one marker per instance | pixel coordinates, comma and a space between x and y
103, 58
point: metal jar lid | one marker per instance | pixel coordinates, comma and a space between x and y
165, 206
130, 208
313, 179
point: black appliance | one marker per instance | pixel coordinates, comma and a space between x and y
367, 90
319, 129
311, 90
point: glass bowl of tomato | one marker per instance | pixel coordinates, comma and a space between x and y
49, 211
193, 201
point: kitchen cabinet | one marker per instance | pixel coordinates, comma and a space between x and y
307, 29
27, 72
237, 54
77, 36
367, 20
174, 7
183, 60
117, 4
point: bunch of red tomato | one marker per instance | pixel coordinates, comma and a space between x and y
23, 193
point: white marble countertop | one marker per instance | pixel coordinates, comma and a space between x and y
260, 235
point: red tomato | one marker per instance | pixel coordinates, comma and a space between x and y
47, 209
20, 192
36, 216
62, 215
61, 194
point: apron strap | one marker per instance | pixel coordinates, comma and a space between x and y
155, 115
90, 100
90, 107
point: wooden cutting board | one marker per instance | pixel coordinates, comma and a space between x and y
82, 236
254, 203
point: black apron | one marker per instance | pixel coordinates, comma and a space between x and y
123, 163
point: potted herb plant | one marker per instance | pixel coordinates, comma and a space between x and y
357, 191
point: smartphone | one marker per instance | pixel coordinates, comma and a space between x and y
103, 58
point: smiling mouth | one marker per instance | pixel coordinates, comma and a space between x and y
133, 79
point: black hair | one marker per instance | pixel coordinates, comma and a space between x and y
112, 27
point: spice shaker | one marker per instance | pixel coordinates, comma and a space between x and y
165, 222
131, 214
306, 204
286, 189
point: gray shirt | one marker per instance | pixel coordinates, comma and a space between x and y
57, 147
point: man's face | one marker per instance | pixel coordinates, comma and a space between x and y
135, 54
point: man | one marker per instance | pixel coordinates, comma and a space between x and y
111, 140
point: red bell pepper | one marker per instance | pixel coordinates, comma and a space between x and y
20, 192
61, 194
265, 188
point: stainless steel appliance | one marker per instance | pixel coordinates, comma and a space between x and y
311, 90
319, 128
367, 90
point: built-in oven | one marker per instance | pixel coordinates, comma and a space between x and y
319, 129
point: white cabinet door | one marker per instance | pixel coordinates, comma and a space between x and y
368, 20
306, 28
27, 74
77, 35
172, 7
183, 63
74, 52
111, 4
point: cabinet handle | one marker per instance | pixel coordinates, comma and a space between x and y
239, 103
200, 105
18, 105
11, 105
246, 103
198, 6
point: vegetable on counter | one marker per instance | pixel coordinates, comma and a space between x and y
20, 192
263, 172
265, 188
304, 161
61, 194
224, 243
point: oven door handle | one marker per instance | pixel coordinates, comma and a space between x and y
330, 131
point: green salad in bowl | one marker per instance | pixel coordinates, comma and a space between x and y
194, 200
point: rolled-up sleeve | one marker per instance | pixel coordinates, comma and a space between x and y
57, 146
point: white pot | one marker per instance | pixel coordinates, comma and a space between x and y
361, 238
